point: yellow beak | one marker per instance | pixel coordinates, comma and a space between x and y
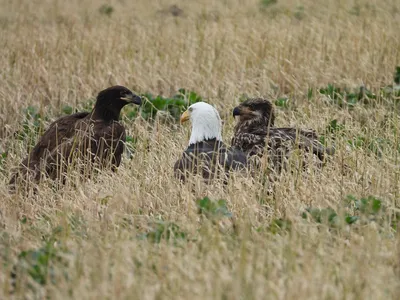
185, 116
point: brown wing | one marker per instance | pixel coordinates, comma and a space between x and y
57, 132
251, 144
253, 138
94, 145
282, 141
110, 143
303, 139
249, 136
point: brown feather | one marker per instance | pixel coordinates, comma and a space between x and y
255, 132
95, 144
95, 137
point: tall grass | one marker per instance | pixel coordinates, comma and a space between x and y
138, 233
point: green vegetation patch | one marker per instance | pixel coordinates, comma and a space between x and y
164, 231
354, 211
173, 106
212, 209
41, 265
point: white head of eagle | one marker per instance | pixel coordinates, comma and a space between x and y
206, 122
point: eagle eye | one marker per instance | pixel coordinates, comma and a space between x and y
190, 109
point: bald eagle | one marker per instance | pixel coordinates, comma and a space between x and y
93, 137
206, 154
255, 132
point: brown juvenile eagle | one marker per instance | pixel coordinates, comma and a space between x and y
206, 154
92, 137
255, 132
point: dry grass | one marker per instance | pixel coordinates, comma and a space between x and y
55, 53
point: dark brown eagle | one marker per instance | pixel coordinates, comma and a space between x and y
206, 154
94, 137
255, 132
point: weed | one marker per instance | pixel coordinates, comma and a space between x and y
299, 13
167, 231
267, 3
374, 145
3, 157
42, 265
152, 105
343, 98
106, 10
353, 211
322, 215
67, 110
282, 102
279, 226
32, 126
213, 209
396, 78
130, 145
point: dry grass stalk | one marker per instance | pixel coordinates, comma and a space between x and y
56, 53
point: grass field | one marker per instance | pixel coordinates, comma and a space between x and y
138, 233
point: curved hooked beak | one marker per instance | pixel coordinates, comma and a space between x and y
132, 98
237, 111
185, 116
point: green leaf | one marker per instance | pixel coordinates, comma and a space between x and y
43, 263
130, 144
310, 93
282, 102
167, 231
32, 126
350, 199
213, 209
351, 99
174, 106
131, 140
334, 126
351, 219
267, 3
3, 157
342, 97
280, 226
325, 215
190, 96
396, 78
376, 205
67, 110
367, 206
106, 9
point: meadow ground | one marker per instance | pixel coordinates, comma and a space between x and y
138, 233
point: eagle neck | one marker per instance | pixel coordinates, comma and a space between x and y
210, 143
253, 125
105, 114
